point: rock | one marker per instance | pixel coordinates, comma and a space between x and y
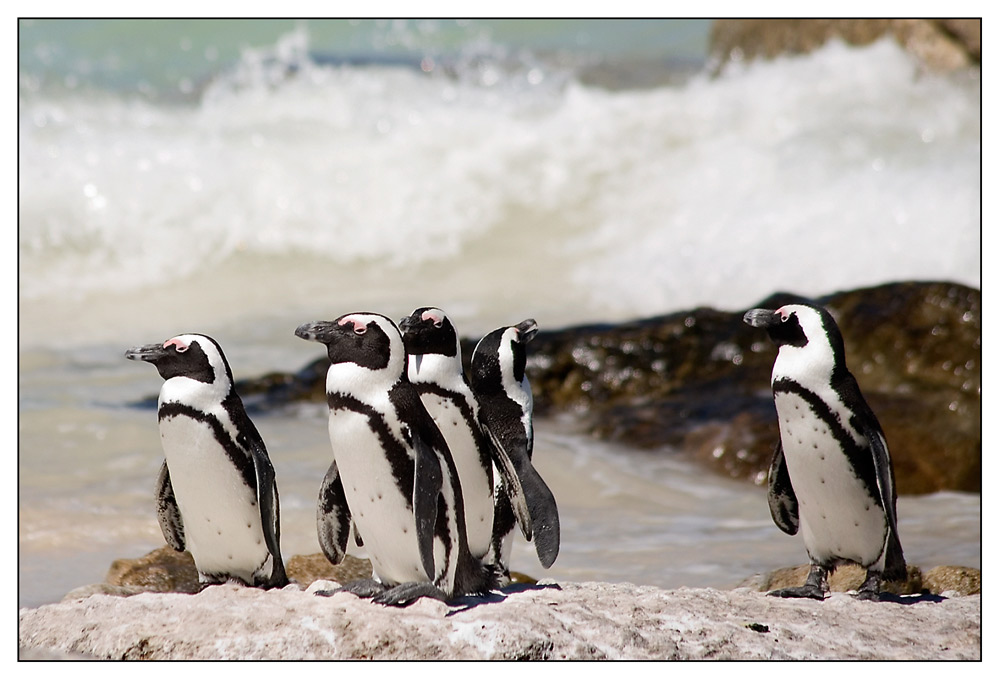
697, 381
961, 580
547, 621
941, 44
936, 581
165, 570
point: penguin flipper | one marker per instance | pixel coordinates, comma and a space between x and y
781, 498
895, 564
333, 517
427, 482
510, 475
168, 515
267, 503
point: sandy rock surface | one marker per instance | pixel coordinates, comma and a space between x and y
547, 621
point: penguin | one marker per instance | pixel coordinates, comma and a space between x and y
216, 494
393, 477
498, 380
831, 473
434, 367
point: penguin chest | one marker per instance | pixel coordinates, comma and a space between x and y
838, 516
475, 471
222, 524
375, 496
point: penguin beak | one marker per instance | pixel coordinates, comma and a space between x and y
527, 330
762, 318
408, 323
317, 331
151, 353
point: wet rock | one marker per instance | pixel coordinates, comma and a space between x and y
547, 621
941, 44
698, 381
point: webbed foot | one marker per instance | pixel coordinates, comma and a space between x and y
407, 593
815, 586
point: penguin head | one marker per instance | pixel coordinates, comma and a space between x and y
369, 340
501, 356
428, 330
805, 331
193, 356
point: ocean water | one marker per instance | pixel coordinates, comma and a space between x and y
237, 178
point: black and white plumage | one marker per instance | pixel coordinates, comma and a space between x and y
831, 474
500, 384
392, 477
434, 360
216, 493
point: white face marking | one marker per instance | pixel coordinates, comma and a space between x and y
520, 392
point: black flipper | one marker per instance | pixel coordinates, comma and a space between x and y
541, 503
333, 517
895, 564
781, 498
267, 502
427, 481
511, 480
167, 513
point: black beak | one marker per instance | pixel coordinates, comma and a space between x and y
762, 318
317, 331
151, 353
527, 330
408, 323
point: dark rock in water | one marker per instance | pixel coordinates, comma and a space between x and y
941, 44
699, 381
956, 581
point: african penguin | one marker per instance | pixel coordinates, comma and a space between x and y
216, 493
831, 470
505, 405
435, 370
392, 475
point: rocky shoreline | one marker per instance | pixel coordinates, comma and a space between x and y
525, 622
153, 608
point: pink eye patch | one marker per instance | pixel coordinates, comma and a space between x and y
432, 316
359, 327
177, 343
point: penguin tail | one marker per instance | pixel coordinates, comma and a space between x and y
895, 564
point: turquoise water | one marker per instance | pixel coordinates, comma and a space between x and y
237, 178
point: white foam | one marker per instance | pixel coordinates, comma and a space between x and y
843, 168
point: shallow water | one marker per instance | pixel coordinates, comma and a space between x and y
238, 179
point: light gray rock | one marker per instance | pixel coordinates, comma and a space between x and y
547, 621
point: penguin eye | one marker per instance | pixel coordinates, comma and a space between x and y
437, 324
360, 330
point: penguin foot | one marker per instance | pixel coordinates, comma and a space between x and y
807, 590
366, 587
869, 590
407, 593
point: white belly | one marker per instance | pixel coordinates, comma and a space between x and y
378, 508
476, 483
838, 517
222, 525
